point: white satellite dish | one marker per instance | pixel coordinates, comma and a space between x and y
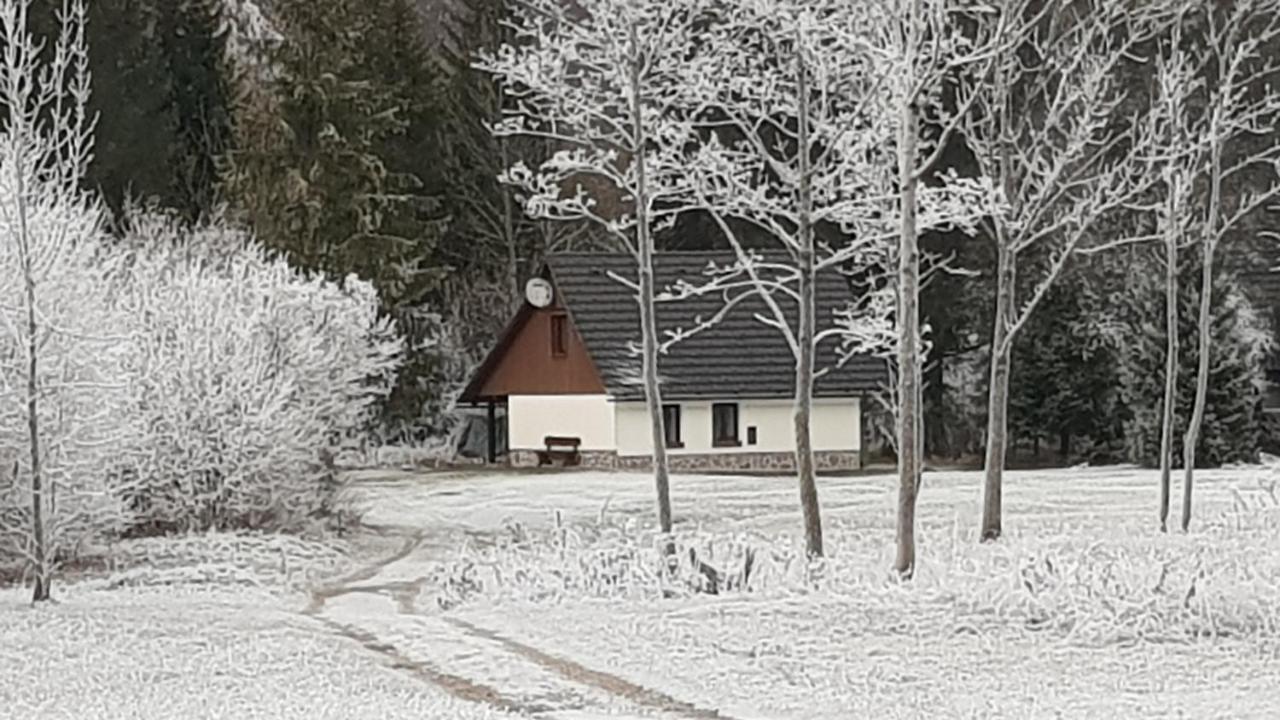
538, 292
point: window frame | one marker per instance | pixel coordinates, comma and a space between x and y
670, 440
726, 441
559, 334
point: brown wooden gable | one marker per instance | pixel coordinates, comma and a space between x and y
523, 361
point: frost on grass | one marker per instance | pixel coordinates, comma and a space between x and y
1085, 610
215, 561
1125, 586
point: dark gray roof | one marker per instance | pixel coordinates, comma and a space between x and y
740, 357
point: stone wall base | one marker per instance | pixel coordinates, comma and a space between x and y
750, 462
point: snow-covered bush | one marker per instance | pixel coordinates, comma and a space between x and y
1130, 587
250, 377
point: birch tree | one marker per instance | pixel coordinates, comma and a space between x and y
799, 141
929, 47
60, 344
1175, 163
1240, 158
1049, 128
597, 79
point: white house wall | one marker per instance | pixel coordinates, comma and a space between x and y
530, 418
835, 426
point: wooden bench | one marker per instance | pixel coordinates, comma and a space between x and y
564, 449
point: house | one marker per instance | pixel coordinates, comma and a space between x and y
568, 366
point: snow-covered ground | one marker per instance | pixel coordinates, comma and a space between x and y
210, 627
1083, 610
154, 655
532, 595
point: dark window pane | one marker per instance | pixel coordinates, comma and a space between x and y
671, 425
558, 341
724, 424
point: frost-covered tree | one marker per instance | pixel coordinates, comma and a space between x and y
1174, 156
61, 343
799, 149
925, 48
601, 80
1240, 109
1049, 128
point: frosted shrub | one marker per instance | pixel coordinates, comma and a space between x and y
623, 561
1068, 587
250, 378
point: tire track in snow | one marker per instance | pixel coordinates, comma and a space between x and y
456, 685
579, 682
344, 585
583, 675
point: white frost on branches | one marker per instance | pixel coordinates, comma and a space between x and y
60, 341
246, 371
568, 78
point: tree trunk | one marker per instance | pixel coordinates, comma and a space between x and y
509, 233
807, 333
1202, 385
1204, 321
1170, 363
908, 329
803, 404
43, 581
998, 393
648, 319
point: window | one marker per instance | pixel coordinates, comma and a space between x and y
751, 435
724, 425
671, 425
559, 332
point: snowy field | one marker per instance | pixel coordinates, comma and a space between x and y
1083, 610
211, 628
533, 595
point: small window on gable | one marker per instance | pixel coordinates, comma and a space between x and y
559, 335
724, 425
671, 425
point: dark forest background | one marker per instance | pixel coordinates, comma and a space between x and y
350, 135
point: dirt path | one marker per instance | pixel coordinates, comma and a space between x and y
379, 606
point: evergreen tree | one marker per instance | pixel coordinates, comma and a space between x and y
1233, 420
161, 95
312, 172
193, 42
134, 137
330, 157
1065, 384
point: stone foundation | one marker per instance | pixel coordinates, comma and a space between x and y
589, 459
744, 462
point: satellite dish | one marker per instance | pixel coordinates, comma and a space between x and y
538, 292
